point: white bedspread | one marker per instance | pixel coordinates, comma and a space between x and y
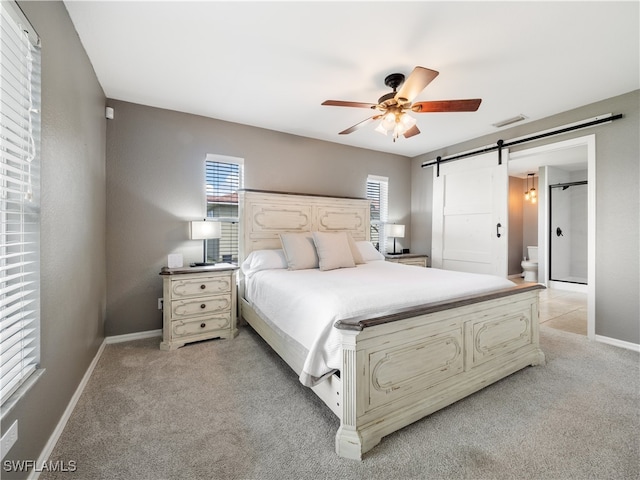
305, 304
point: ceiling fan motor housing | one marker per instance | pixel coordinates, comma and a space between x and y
394, 80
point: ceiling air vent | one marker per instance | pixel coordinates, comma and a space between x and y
509, 121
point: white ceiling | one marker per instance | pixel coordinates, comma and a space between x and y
271, 64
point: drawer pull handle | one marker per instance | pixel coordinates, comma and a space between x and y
203, 306
203, 286
202, 325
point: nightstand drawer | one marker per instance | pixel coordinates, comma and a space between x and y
416, 262
187, 328
198, 287
200, 306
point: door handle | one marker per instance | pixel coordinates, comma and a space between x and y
498, 234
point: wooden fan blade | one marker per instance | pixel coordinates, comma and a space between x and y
411, 132
340, 103
416, 82
470, 105
359, 125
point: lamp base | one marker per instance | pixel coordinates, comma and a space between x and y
201, 264
394, 253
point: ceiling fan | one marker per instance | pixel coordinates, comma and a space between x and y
393, 106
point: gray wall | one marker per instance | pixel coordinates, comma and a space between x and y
617, 204
155, 184
73, 228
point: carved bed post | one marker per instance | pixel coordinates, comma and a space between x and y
348, 439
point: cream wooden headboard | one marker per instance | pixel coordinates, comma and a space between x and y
265, 215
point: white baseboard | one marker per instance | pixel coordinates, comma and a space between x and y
46, 452
53, 439
618, 343
127, 337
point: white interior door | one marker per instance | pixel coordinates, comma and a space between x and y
470, 215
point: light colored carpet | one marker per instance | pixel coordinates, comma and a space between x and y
231, 409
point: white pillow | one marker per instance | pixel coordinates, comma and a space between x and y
263, 260
369, 252
333, 250
299, 250
357, 256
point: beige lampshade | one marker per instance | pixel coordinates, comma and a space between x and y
395, 231
203, 230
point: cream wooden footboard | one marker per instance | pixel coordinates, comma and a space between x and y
398, 366
422, 360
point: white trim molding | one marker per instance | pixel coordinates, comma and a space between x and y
618, 343
133, 336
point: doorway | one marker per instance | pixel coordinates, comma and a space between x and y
568, 232
569, 155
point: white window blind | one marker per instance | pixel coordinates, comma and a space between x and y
224, 177
377, 192
19, 200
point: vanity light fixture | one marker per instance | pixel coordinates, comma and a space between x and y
531, 195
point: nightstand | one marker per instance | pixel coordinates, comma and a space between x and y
199, 304
416, 259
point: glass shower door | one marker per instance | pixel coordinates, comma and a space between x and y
568, 235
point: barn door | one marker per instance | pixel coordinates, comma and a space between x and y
470, 215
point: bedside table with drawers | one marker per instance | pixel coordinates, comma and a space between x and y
417, 259
199, 303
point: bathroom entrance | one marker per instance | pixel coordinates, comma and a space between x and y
565, 162
568, 223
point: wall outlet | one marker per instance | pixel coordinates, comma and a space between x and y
160, 303
8, 439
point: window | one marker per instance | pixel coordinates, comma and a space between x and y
224, 177
377, 192
19, 200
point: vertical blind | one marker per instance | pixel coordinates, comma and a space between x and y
377, 193
224, 177
19, 199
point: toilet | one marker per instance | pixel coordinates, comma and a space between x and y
530, 266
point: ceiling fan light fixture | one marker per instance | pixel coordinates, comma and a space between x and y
397, 122
407, 121
380, 129
388, 121
403, 123
398, 130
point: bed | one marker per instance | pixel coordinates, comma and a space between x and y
377, 366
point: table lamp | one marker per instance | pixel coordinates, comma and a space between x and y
395, 231
204, 230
